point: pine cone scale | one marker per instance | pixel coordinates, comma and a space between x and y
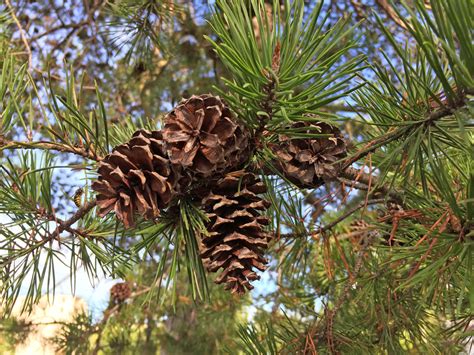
119, 159
105, 206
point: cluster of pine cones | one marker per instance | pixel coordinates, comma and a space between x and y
203, 147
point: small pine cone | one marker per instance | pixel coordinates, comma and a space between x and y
136, 177
308, 162
120, 292
236, 239
202, 136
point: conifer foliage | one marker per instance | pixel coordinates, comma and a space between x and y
347, 182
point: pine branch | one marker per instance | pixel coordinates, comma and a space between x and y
32, 324
270, 90
338, 220
54, 146
350, 176
353, 183
62, 26
397, 133
66, 225
373, 145
344, 108
349, 213
90, 20
358, 177
358, 8
63, 225
109, 312
99, 327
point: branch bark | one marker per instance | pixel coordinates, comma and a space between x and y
358, 177
384, 4
66, 225
269, 89
45, 145
334, 223
400, 132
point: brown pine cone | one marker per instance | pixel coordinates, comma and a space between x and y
120, 292
236, 239
308, 162
136, 177
202, 136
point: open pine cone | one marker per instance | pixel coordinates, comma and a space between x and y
120, 292
308, 162
236, 239
136, 177
202, 136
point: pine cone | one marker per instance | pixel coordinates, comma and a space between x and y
120, 292
236, 239
308, 162
202, 136
135, 177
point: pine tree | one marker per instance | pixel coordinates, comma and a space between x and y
334, 158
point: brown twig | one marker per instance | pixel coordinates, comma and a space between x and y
375, 144
62, 225
350, 282
22, 33
384, 4
358, 8
66, 225
344, 108
405, 130
362, 180
334, 223
353, 184
60, 27
348, 213
269, 90
327, 322
107, 314
45, 145
441, 229
111, 311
